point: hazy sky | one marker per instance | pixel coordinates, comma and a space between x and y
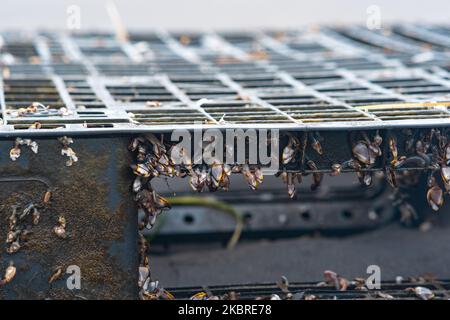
218, 14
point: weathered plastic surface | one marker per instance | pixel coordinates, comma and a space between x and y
93, 196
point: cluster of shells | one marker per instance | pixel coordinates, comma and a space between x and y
20, 224
37, 109
332, 282
424, 151
20, 229
155, 158
65, 142
22, 219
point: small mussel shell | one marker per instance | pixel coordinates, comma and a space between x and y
362, 153
435, 197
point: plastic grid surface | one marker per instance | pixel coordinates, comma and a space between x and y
324, 79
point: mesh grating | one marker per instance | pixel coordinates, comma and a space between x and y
439, 290
331, 78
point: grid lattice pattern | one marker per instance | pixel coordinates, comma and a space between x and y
331, 78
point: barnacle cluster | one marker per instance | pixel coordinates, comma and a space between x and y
333, 286
148, 288
423, 151
156, 158
15, 152
426, 150
20, 228
60, 229
23, 218
365, 152
20, 224
68, 151
294, 152
65, 141
38, 109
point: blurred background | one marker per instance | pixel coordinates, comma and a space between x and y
218, 14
